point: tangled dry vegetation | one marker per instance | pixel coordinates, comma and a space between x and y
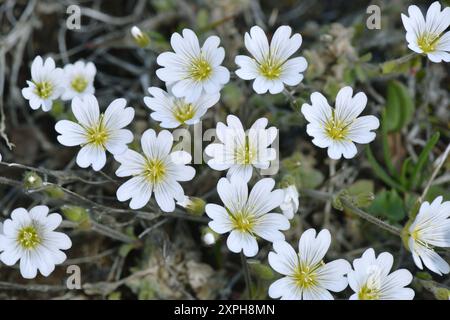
147, 254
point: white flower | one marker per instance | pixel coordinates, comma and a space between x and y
45, 85
240, 151
270, 66
173, 112
290, 203
158, 171
307, 277
78, 80
426, 35
96, 132
193, 70
431, 228
30, 238
247, 216
338, 128
370, 279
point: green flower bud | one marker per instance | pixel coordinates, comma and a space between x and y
141, 39
54, 192
442, 294
76, 214
193, 205
31, 180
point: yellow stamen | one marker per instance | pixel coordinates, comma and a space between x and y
246, 154
271, 68
306, 276
336, 129
243, 221
43, 89
79, 84
155, 170
368, 293
427, 42
183, 111
28, 237
200, 69
98, 134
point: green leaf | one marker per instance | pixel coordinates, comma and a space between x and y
423, 158
379, 171
388, 204
399, 107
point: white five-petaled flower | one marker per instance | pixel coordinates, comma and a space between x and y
45, 85
307, 277
426, 35
96, 132
173, 112
430, 229
239, 151
338, 128
291, 202
370, 279
30, 238
270, 66
158, 171
192, 70
247, 216
78, 80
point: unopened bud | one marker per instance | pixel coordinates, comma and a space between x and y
141, 39
193, 205
54, 192
209, 237
76, 214
31, 180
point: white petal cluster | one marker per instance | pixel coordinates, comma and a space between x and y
29, 236
193, 70
247, 216
425, 35
173, 112
46, 84
431, 229
78, 80
371, 278
157, 171
337, 129
271, 66
306, 276
239, 151
96, 132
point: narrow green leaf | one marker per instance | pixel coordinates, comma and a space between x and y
423, 157
379, 171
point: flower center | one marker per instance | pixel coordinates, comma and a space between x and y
306, 276
270, 68
44, 89
28, 237
79, 84
155, 170
183, 111
427, 42
200, 69
246, 154
243, 221
335, 129
98, 134
371, 289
